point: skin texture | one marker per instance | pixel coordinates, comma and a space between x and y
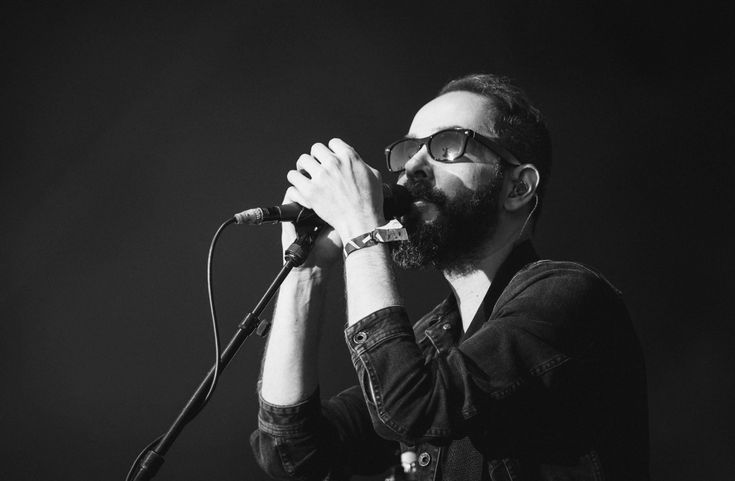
346, 193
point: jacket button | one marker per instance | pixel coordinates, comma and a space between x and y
446, 326
360, 337
424, 459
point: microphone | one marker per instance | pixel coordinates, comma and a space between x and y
396, 202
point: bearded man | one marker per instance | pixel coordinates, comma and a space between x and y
529, 369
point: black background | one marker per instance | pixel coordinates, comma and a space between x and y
133, 130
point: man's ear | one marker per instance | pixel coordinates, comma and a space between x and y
525, 180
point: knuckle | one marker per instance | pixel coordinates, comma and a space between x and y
315, 175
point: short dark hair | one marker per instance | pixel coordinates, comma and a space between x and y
517, 125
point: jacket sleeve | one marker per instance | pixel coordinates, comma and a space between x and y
531, 364
318, 439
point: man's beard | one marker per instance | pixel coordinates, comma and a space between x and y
456, 237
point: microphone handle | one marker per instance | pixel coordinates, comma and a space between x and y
285, 213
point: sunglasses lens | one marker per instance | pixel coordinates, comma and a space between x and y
401, 152
448, 145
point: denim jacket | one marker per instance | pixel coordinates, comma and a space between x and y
548, 383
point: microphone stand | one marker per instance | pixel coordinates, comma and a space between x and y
294, 256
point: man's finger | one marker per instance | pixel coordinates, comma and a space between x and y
308, 165
343, 149
293, 195
323, 154
299, 183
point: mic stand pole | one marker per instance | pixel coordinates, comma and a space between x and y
295, 255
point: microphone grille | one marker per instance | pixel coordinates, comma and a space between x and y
396, 200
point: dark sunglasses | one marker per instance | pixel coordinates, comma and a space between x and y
447, 146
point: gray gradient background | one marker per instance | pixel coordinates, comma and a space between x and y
133, 131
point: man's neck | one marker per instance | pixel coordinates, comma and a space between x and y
470, 286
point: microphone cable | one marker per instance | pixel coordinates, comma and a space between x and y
215, 332
213, 310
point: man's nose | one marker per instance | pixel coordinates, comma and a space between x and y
419, 166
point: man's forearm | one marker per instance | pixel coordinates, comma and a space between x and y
369, 282
290, 364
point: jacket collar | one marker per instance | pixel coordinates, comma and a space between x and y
521, 255
447, 313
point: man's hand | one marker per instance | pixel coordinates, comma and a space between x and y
347, 194
342, 189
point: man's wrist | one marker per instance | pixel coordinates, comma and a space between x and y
360, 227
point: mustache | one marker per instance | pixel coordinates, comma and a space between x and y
424, 191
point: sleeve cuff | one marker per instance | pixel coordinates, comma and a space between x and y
378, 327
288, 420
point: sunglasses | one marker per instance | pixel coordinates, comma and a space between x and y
446, 146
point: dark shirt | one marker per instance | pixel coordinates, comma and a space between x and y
547, 383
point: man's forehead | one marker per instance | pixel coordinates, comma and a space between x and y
454, 109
